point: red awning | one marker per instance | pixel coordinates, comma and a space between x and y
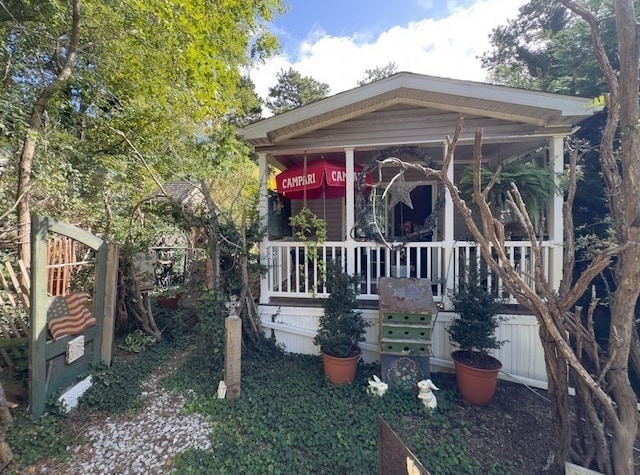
323, 178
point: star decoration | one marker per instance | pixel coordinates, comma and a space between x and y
401, 191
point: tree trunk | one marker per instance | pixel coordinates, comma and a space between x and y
634, 351
628, 270
214, 234
556, 366
25, 163
622, 176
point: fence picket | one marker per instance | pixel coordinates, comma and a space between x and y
23, 293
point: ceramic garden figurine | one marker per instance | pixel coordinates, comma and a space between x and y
426, 394
377, 387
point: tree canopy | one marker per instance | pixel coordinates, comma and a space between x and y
547, 48
155, 90
377, 73
294, 90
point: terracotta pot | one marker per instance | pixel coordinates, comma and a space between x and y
476, 385
340, 370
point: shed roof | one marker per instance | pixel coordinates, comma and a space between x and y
182, 192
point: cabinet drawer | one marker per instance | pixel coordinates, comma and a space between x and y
406, 348
406, 332
404, 317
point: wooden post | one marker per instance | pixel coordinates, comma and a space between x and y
233, 349
110, 295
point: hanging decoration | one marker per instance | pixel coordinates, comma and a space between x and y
400, 191
369, 202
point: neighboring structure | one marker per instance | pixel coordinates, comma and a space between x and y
419, 233
189, 197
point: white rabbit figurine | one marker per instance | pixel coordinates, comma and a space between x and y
377, 387
428, 398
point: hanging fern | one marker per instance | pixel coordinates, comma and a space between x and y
536, 186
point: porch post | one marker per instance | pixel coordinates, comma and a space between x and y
263, 209
350, 203
448, 235
554, 214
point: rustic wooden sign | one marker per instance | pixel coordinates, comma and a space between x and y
75, 349
394, 457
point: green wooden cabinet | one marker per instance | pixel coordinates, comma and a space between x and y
404, 333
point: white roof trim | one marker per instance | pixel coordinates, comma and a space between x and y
561, 105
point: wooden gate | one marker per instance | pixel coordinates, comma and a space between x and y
68, 332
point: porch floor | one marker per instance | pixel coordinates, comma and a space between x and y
373, 304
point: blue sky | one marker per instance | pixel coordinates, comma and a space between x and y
368, 18
335, 41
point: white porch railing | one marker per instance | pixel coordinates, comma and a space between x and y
292, 270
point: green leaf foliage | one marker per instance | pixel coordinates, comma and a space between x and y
547, 48
473, 329
32, 439
535, 184
168, 75
289, 419
378, 73
294, 90
342, 326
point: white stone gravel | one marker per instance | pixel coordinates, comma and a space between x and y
140, 443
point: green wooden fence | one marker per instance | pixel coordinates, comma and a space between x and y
51, 367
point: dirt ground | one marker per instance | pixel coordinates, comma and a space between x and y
518, 421
517, 425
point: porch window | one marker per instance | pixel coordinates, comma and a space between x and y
409, 222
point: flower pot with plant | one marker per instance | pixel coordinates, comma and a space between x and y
342, 326
472, 330
312, 231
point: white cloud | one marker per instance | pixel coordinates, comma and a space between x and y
447, 47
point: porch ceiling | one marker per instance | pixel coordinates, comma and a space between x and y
530, 112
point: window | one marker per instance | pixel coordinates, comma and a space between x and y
405, 221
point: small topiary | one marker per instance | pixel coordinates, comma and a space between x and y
473, 329
342, 326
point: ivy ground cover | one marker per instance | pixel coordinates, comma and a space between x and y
290, 420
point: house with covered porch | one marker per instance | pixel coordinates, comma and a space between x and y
332, 157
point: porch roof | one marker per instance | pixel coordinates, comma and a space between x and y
541, 110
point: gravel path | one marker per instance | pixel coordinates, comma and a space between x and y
140, 443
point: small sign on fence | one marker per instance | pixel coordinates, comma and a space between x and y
144, 264
75, 349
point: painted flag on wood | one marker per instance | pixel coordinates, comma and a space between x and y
69, 315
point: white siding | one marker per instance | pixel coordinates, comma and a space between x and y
522, 356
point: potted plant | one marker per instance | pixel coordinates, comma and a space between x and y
535, 184
312, 231
342, 326
473, 332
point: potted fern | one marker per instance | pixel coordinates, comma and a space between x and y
342, 326
535, 184
472, 330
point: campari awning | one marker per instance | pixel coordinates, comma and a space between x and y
320, 178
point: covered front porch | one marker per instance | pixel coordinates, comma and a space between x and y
411, 227
404, 224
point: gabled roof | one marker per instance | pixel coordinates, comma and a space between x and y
540, 109
183, 193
